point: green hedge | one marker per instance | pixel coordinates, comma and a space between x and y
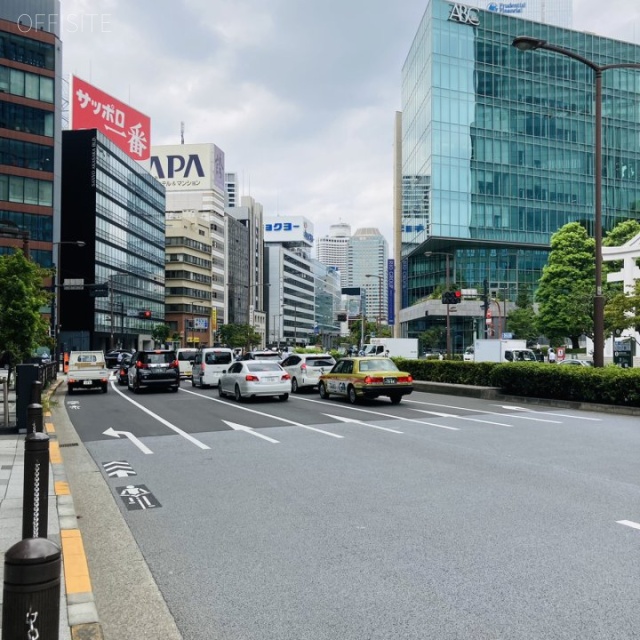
607, 385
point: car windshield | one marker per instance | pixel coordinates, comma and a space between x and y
187, 354
321, 361
263, 366
266, 356
377, 364
218, 357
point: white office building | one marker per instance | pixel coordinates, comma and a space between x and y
333, 249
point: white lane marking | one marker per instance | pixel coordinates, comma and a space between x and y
453, 415
629, 523
377, 413
127, 434
364, 424
160, 419
549, 413
491, 413
241, 427
267, 415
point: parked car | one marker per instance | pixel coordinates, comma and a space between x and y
154, 368
185, 361
209, 364
577, 363
123, 368
468, 354
112, 357
250, 378
267, 354
357, 378
305, 369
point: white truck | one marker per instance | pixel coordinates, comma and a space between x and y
397, 347
87, 370
502, 351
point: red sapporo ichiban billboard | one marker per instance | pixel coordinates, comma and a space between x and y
127, 128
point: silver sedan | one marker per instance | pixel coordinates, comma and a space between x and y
249, 378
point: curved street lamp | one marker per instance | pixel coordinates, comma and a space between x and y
528, 43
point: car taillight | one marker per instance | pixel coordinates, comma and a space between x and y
251, 378
405, 379
202, 367
286, 376
174, 365
141, 365
372, 380
303, 367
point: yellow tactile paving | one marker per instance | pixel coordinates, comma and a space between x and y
62, 488
76, 569
47, 414
49, 428
54, 453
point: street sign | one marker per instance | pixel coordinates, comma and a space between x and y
132, 313
73, 284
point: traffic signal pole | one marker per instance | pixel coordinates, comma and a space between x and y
448, 315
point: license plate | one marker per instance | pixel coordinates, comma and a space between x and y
269, 379
390, 380
87, 382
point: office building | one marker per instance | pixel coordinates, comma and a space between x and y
291, 289
230, 190
497, 153
332, 250
188, 278
30, 127
193, 175
327, 305
117, 209
553, 12
367, 255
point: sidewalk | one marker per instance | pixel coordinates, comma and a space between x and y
78, 615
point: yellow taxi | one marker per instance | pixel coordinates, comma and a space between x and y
368, 377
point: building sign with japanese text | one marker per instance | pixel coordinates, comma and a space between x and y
288, 229
188, 167
126, 127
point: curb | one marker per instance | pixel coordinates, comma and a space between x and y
82, 614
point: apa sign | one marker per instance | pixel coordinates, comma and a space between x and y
185, 167
464, 15
177, 166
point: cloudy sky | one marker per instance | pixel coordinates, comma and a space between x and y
299, 95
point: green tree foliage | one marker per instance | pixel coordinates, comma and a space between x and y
22, 325
566, 289
522, 323
239, 335
434, 339
623, 311
160, 333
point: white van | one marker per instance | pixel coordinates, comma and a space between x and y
185, 360
209, 364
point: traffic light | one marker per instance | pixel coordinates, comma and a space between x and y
452, 297
145, 315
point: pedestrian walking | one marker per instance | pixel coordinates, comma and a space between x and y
552, 355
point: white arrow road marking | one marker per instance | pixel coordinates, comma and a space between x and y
491, 413
629, 523
385, 415
261, 413
127, 434
166, 423
549, 413
453, 415
241, 427
364, 424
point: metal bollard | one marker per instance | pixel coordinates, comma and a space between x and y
35, 501
31, 595
36, 392
35, 421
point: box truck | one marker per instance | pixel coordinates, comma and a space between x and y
502, 351
397, 347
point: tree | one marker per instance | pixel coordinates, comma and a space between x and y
523, 324
434, 339
160, 333
22, 326
566, 289
236, 335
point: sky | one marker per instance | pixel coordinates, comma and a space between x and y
301, 96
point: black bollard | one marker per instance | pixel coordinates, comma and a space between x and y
36, 392
35, 501
31, 595
35, 421
26, 375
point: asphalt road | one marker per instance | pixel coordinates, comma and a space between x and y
442, 517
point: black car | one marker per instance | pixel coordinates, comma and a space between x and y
154, 368
123, 369
111, 357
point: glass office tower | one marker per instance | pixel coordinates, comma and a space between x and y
498, 149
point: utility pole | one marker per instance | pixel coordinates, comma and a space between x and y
111, 314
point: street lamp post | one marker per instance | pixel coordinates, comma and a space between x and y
380, 279
55, 311
528, 43
447, 256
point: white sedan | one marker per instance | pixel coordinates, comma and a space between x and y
250, 378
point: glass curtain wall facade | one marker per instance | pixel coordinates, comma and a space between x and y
498, 148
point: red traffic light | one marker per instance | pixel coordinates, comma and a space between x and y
458, 295
145, 315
